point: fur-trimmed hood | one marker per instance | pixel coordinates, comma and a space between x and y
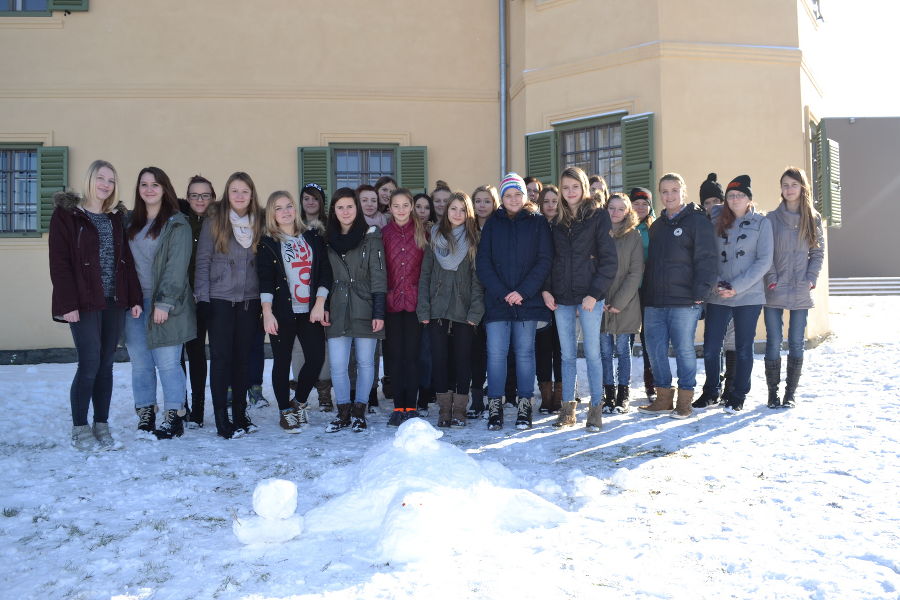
69, 201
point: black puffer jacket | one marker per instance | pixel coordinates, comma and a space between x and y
584, 259
681, 259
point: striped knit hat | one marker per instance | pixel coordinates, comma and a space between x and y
512, 181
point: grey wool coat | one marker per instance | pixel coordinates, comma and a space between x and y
795, 265
744, 255
623, 292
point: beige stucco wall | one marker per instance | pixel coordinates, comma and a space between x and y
195, 87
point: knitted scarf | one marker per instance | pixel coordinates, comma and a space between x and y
242, 227
448, 258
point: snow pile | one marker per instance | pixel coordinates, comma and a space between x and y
275, 501
415, 497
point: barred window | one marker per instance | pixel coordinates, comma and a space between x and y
18, 190
356, 167
597, 150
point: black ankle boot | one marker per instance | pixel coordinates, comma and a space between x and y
773, 378
609, 399
622, 392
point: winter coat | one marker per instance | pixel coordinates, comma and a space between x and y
745, 255
273, 278
514, 255
196, 223
452, 295
644, 230
404, 263
360, 284
681, 259
623, 292
74, 246
584, 259
230, 276
794, 264
171, 286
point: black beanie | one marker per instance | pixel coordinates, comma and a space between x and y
711, 189
741, 183
640, 192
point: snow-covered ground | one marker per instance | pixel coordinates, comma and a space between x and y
798, 503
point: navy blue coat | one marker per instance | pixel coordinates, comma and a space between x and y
514, 255
681, 262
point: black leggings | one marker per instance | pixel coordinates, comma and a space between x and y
232, 326
479, 357
312, 340
195, 351
547, 357
96, 335
451, 345
401, 348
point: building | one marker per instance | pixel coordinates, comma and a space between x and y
344, 91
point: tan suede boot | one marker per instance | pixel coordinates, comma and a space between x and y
683, 405
594, 418
556, 398
662, 403
566, 416
445, 403
458, 410
546, 389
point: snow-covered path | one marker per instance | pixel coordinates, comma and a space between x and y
769, 504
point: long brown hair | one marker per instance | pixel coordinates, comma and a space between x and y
168, 205
421, 238
220, 219
445, 227
542, 197
808, 213
587, 205
629, 222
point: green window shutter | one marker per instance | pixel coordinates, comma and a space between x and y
412, 168
70, 5
314, 166
637, 152
827, 196
53, 175
540, 156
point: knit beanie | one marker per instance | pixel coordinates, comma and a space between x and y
512, 181
741, 183
641, 193
711, 189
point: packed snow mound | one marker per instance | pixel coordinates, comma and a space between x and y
275, 501
415, 497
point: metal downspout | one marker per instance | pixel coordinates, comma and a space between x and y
504, 99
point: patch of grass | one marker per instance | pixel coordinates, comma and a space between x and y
11, 511
105, 540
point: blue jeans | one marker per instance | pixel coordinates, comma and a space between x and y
500, 334
339, 361
774, 318
717, 318
620, 347
145, 362
568, 349
678, 325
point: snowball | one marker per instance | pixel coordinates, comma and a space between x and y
416, 435
257, 530
275, 498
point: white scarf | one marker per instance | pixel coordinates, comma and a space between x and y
242, 227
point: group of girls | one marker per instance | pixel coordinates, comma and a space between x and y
457, 290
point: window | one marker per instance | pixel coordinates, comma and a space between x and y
24, 6
18, 190
597, 150
356, 167
350, 165
617, 146
826, 175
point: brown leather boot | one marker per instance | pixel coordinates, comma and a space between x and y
546, 389
662, 403
458, 410
683, 405
445, 405
556, 398
323, 388
594, 418
567, 416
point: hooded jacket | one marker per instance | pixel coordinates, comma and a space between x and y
584, 259
795, 266
360, 284
681, 259
74, 245
745, 255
